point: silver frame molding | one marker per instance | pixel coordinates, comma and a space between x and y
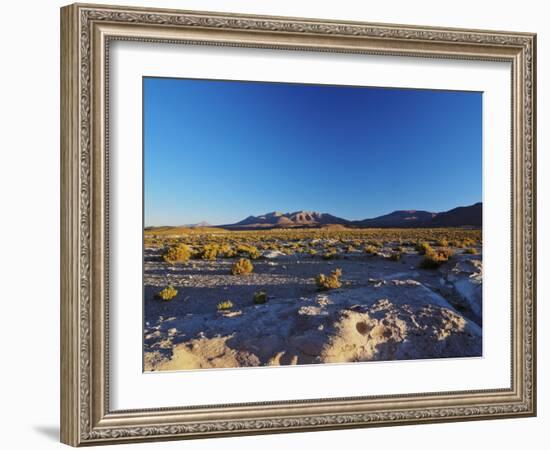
86, 32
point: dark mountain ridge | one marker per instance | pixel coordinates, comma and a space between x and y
402, 218
463, 216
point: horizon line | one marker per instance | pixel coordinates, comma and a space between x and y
307, 211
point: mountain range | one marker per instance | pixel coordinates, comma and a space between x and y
458, 217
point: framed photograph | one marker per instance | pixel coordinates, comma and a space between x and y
275, 224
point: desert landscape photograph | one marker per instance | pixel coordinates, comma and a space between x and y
289, 224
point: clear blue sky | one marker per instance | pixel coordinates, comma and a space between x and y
222, 150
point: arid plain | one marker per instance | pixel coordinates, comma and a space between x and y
261, 296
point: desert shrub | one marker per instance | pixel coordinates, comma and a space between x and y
152, 242
350, 249
394, 256
250, 250
312, 251
242, 267
178, 253
330, 254
209, 252
446, 252
226, 251
260, 297
471, 251
332, 281
423, 247
371, 250
435, 258
443, 243
167, 294
225, 305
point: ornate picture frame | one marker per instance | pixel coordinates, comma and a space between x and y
87, 32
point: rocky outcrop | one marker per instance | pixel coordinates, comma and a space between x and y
466, 280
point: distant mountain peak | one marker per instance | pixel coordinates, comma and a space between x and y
301, 218
198, 225
460, 216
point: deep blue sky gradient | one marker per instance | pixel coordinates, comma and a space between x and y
222, 150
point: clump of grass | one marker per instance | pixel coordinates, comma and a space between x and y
178, 253
471, 251
423, 248
260, 297
250, 250
330, 254
332, 281
446, 252
226, 305
371, 250
443, 243
468, 242
395, 256
435, 258
210, 252
227, 251
374, 243
242, 267
167, 294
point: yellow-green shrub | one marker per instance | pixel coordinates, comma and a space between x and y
435, 258
371, 250
423, 248
225, 305
210, 252
332, 281
471, 251
167, 294
330, 254
242, 267
178, 253
227, 251
250, 250
395, 256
